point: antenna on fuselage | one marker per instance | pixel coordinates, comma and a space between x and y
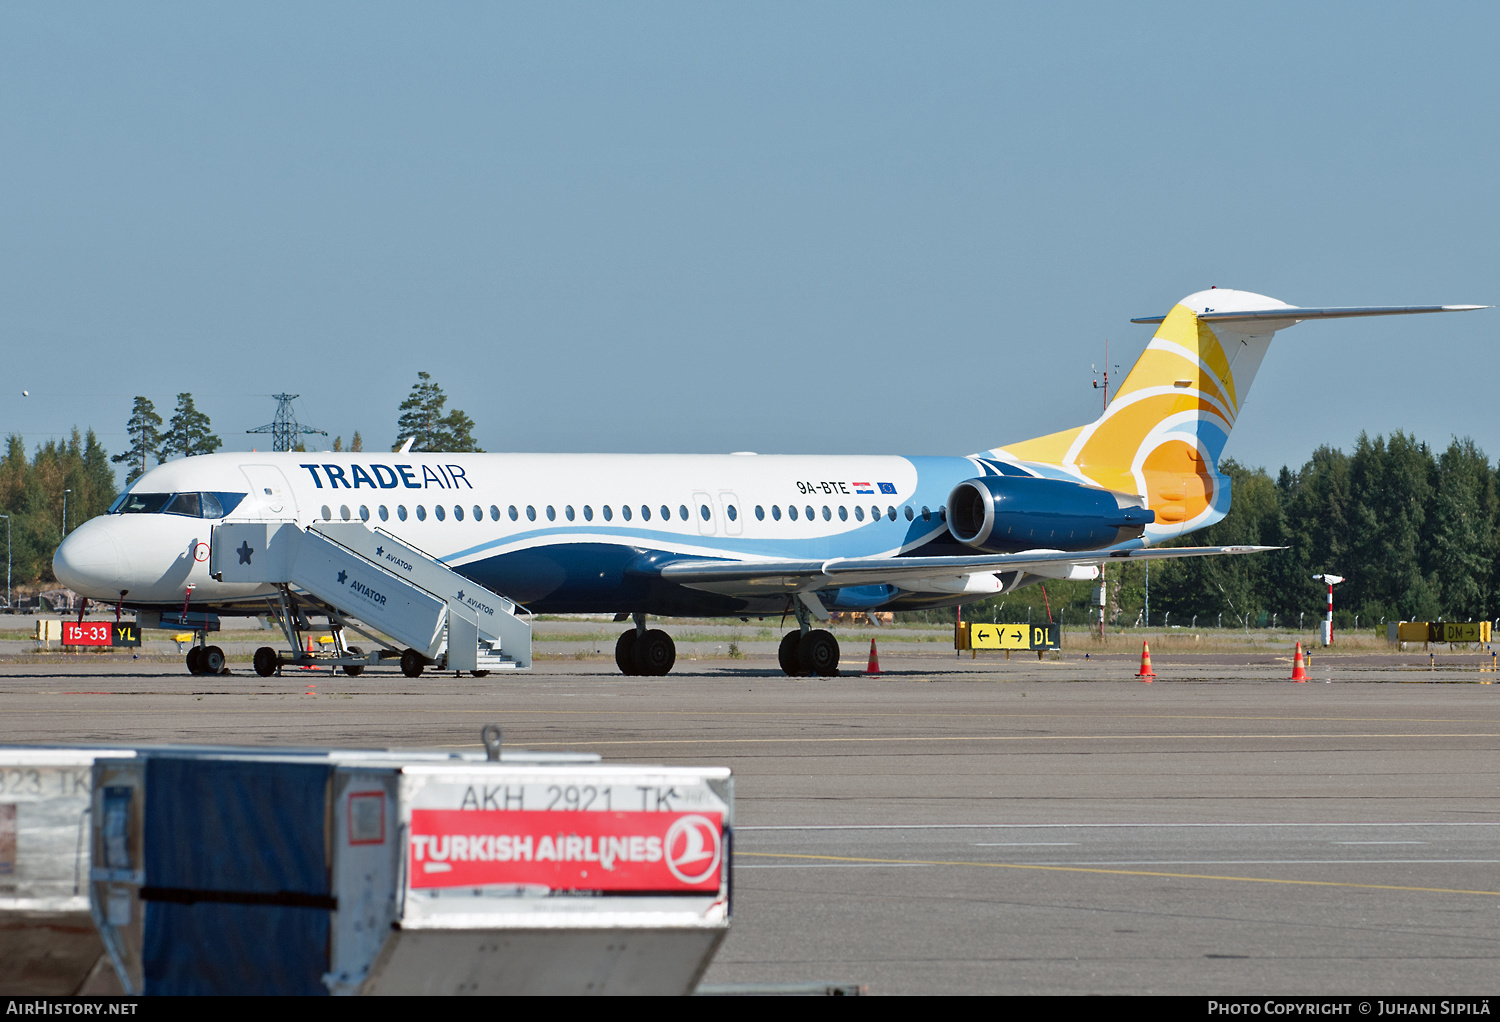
285, 429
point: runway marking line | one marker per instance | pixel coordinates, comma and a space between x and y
1111, 872
998, 738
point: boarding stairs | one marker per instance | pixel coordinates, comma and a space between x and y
384, 584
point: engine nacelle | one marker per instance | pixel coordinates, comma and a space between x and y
1004, 514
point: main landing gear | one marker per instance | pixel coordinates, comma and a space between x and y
808, 650
205, 660
643, 651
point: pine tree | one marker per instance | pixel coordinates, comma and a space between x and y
422, 420
144, 429
188, 433
358, 443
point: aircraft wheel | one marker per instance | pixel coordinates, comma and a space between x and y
211, 661
818, 653
480, 674
787, 654
625, 652
265, 661
412, 663
655, 653
354, 670
193, 656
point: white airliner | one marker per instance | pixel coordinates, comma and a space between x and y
740, 534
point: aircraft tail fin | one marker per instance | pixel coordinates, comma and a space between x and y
1165, 428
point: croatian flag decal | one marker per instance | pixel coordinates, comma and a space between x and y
862, 488
887, 487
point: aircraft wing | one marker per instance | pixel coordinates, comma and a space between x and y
760, 577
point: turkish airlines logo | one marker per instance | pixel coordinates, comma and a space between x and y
692, 849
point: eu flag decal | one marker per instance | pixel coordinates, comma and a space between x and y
887, 487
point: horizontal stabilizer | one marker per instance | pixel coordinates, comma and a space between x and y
1292, 313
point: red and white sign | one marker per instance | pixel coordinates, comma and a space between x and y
591, 851
87, 633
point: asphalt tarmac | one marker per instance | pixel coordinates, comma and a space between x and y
981, 826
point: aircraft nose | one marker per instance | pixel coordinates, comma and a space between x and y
88, 562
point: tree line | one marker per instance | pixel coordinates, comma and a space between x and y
1415, 533
79, 471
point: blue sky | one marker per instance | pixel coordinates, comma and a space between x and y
865, 228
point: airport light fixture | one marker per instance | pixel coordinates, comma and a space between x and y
65, 512
1332, 581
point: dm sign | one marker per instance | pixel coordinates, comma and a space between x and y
1013, 636
100, 633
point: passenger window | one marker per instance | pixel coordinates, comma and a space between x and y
791, 511
458, 512
682, 511
344, 512
401, 511
495, 513
625, 511
385, 515
760, 513
568, 510
441, 514
512, 512
588, 513
421, 513
811, 515
609, 514
859, 513
666, 515
479, 512
942, 512
843, 513
327, 515
530, 513
551, 513
645, 513
926, 514
364, 513
703, 510
909, 515
776, 512
733, 514
891, 512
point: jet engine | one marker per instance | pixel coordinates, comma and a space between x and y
1004, 514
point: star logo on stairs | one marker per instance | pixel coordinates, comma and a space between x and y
460, 594
380, 551
342, 576
245, 551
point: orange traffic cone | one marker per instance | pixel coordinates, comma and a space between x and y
1299, 672
874, 667
1146, 673
309, 666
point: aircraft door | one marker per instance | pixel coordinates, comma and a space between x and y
269, 490
729, 508
704, 514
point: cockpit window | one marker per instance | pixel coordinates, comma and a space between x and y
186, 504
144, 503
189, 505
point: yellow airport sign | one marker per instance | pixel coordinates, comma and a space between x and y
983, 636
1468, 631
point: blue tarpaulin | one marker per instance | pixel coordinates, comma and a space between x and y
237, 876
